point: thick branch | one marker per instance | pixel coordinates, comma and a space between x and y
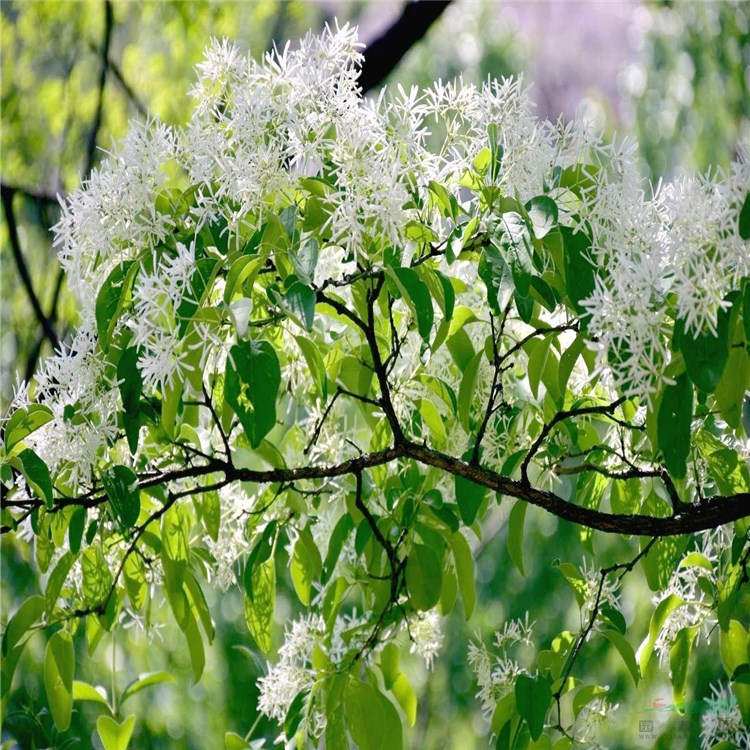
708, 514
41, 196
96, 125
23, 272
385, 53
712, 512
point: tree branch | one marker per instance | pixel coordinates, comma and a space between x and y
708, 514
23, 272
385, 53
94, 132
712, 512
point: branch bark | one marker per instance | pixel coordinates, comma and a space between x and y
23, 271
385, 53
708, 514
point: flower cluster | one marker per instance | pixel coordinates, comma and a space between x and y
496, 673
699, 570
723, 721
679, 244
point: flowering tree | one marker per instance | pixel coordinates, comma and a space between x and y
322, 338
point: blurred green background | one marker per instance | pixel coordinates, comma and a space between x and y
674, 75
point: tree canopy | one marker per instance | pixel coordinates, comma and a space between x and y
322, 338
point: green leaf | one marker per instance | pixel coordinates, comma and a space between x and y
299, 300
315, 363
706, 354
23, 422
340, 533
252, 381
679, 661
37, 475
82, 691
733, 646
543, 214
466, 390
464, 571
20, 624
533, 699
497, 277
175, 534
75, 529
433, 421
665, 608
496, 151
199, 606
568, 360
576, 581
200, 283
211, 513
259, 554
372, 720
195, 647
233, 741
626, 652
144, 681
59, 664
469, 497
241, 269
730, 391
625, 496
444, 200
744, 218
515, 534
579, 270
56, 581
114, 295
461, 349
417, 295
121, 486
423, 577
97, 577
661, 560
259, 610
306, 565
131, 387
115, 736
504, 710
674, 425
539, 355
169, 405
134, 575
389, 663
295, 713
406, 697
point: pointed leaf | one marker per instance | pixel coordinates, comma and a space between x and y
533, 699
115, 736
59, 664
252, 381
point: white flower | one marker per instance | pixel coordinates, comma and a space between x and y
591, 719
697, 610
496, 674
607, 596
723, 721
75, 385
113, 215
293, 672
427, 638
157, 297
